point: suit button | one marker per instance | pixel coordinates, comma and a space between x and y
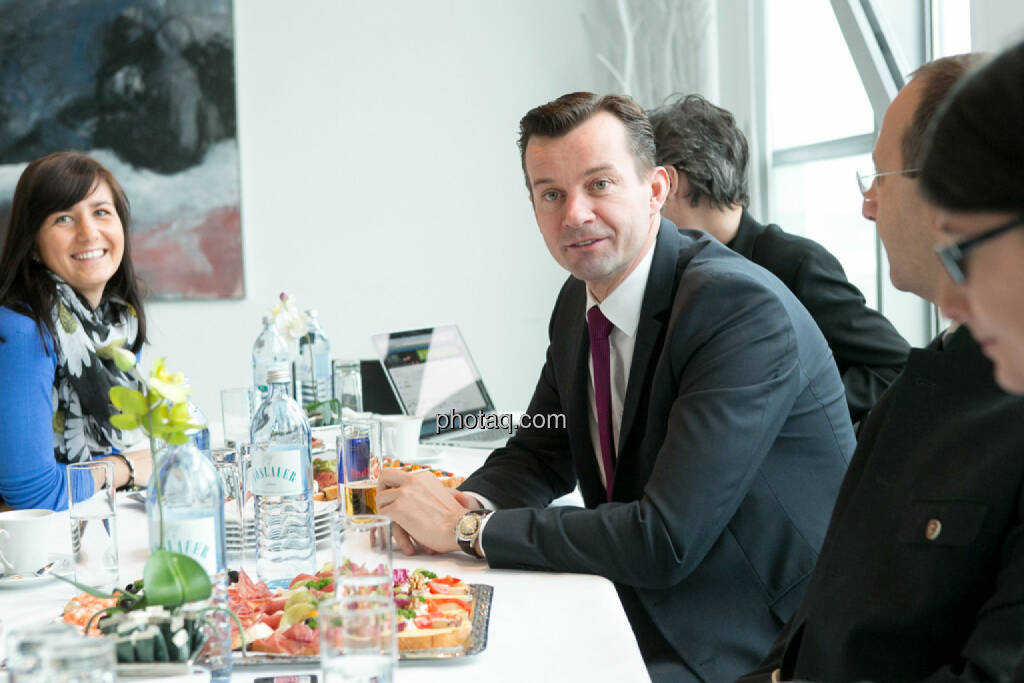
932, 529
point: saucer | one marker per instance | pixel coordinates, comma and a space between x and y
62, 565
23, 580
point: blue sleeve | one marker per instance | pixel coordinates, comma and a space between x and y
29, 475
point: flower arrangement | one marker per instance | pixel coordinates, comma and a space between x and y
291, 323
170, 579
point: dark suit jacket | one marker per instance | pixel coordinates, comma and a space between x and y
734, 438
887, 603
869, 351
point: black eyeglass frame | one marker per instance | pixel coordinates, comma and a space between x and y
953, 255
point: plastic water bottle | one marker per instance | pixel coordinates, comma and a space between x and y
313, 367
200, 436
193, 524
281, 479
269, 351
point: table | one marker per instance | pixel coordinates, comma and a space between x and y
544, 626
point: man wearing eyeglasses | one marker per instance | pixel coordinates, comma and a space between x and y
921, 577
705, 155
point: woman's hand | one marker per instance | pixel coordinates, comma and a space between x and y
142, 462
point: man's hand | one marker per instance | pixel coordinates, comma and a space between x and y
421, 507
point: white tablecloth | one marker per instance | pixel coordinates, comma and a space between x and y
543, 627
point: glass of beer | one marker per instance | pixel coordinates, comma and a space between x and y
360, 465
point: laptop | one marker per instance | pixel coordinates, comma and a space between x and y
434, 376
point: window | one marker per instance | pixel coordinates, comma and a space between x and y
820, 128
821, 123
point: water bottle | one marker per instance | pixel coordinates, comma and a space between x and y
313, 368
281, 480
199, 435
269, 351
192, 501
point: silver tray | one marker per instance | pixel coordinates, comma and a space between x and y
475, 643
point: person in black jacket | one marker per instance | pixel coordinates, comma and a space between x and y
705, 154
921, 577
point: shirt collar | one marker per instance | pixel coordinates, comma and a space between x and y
622, 306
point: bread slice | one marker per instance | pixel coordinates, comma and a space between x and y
412, 638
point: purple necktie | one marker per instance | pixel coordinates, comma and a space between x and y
599, 327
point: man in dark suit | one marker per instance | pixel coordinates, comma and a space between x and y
705, 419
705, 155
921, 577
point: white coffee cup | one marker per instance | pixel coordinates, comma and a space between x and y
400, 435
23, 540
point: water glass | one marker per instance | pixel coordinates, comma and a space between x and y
358, 639
80, 659
24, 649
236, 410
360, 465
246, 531
362, 555
94, 526
348, 384
226, 463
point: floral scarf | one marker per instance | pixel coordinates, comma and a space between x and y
81, 406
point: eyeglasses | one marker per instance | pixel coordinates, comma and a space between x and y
867, 178
954, 255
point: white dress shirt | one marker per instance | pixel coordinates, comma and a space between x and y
622, 308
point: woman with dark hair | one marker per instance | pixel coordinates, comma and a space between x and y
974, 172
67, 290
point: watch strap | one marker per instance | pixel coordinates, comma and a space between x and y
468, 545
130, 484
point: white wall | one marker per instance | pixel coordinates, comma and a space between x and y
381, 181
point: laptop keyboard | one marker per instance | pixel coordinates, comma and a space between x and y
481, 435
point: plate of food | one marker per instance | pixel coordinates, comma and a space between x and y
437, 617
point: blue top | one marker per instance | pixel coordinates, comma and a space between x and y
30, 477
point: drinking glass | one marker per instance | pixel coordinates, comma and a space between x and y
236, 409
94, 527
246, 505
358, 639
360, 465
362, 555
348, 384
79, 659
226, 462
24, 649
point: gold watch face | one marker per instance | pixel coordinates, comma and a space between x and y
468, 525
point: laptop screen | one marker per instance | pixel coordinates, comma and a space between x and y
432, 373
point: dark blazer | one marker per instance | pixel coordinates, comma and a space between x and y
734, 438
869, 351
922, 573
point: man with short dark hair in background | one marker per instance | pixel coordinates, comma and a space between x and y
705, 155
921, 577
705, 422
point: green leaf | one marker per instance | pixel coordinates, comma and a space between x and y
172, 579
124, 421
95, 592
128, 400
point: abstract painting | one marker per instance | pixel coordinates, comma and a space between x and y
147, 87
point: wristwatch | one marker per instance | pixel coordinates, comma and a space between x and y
467, 530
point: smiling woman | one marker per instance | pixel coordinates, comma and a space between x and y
67, 291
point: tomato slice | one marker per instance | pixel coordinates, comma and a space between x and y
423, 622
301, 578
448, 580
437, 587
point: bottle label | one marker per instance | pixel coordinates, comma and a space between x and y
196, 538
277, 473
